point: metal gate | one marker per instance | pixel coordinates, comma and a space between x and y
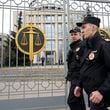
32, 85
80, 8
26, 84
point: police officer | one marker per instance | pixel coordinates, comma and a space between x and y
73, 61
95, 69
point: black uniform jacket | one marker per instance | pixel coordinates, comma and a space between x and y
95, 69
73, 61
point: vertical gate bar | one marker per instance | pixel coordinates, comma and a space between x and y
40, 25
102, 15
68, 25
108, 21
38, 88
92, 8
68, 15
80, 6
9, 86
51, 51
17, 57
65, 43
24, 82
9, 89
24, 60
17, 48
10, 38
23, 14
24, 95
56, 39
51, 39
2, 38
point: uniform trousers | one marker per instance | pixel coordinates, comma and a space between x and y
75, 103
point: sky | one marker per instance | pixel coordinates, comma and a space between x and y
5, 24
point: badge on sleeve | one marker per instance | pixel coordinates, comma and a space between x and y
91, 56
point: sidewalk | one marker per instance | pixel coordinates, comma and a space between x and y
58, 108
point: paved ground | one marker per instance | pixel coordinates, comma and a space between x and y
16, 81
62, 109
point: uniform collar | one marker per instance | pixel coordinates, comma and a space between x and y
91, 43
74, 44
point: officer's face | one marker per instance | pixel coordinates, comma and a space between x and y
87, 30
74, 36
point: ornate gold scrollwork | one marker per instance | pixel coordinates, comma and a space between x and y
105, 34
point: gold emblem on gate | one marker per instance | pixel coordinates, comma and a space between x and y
30, 40
105, 34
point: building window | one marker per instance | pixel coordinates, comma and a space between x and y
38, 18
49, 18
60, 45
60, 52
49, 30
50, 45
31, 17
60, 31
59, 17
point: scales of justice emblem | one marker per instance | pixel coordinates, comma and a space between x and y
30, 40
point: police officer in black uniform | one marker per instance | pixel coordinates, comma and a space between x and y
73, 61
95, 65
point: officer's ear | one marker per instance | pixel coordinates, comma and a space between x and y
94, 27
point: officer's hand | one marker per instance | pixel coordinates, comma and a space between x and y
77, 91
96, 97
